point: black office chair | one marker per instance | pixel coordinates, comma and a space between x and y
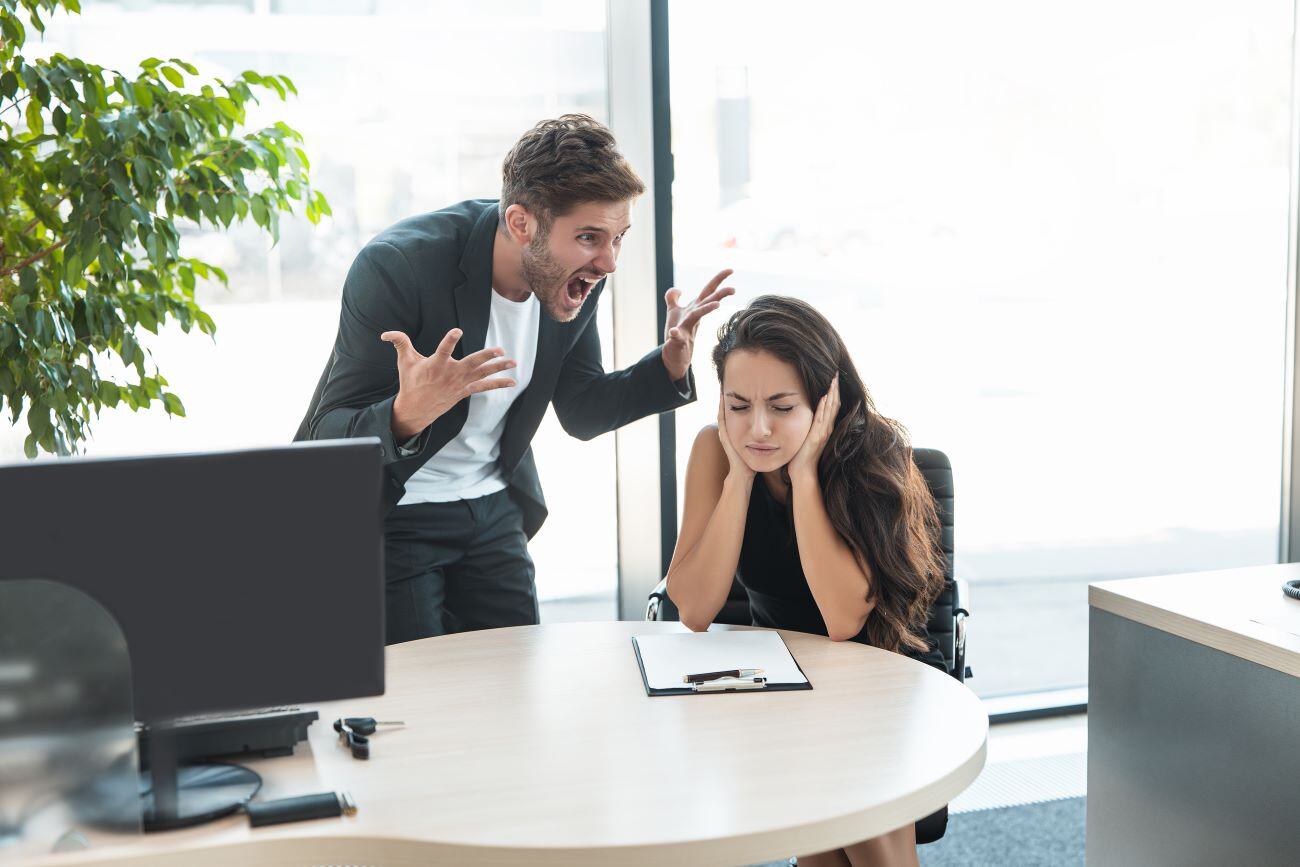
947, 623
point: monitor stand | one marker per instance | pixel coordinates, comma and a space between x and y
177, 796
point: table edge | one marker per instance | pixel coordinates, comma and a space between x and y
1222, 638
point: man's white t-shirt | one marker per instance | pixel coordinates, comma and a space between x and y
466, 467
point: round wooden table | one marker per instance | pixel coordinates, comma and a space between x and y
538, 745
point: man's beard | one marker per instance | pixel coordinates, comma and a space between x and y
547, 279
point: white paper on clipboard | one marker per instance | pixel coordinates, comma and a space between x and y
666, 659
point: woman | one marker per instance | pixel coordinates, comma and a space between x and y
811, 498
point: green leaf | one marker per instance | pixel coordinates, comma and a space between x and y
109, 393
208, 206
173, 76
129, 348
226, 208
227, 107
259, 210
148, 319
12, 29
8, 83
275, 83
122, 186
35, 121
173, 405
38, 419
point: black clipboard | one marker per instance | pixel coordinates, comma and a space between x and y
689, 690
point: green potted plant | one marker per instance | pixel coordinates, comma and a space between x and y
97, 169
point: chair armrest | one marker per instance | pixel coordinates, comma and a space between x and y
658, 599
961, 596
960, 611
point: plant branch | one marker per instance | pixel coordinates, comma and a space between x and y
35, 257
15, 103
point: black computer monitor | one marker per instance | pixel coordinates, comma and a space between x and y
240, 579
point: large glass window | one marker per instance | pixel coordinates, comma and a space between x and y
1056, 244
406, 107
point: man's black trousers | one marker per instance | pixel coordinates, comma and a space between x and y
454, 567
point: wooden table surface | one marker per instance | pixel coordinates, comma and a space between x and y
538, 745
1238, 611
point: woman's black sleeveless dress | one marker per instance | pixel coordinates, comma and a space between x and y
772, 575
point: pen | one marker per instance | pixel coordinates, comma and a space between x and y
714, 675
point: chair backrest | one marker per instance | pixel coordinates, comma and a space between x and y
937, 470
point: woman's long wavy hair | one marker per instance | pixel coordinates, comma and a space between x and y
875, 496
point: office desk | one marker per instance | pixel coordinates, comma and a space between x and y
538, 745
1194, 719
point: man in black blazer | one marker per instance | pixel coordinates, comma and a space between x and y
462, 496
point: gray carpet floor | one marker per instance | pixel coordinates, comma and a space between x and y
1029, 835
1049, 834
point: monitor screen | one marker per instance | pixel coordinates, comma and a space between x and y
242, 579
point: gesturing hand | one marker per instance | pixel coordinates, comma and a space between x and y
682, 322
429, 386
804, 463
736, 464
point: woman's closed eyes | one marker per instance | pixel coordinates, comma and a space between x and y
744, 407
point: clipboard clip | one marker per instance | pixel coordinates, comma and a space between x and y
728, 684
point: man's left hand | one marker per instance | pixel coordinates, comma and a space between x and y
682, 322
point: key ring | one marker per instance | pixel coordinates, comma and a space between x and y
358, 743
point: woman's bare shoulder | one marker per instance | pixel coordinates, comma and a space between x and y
707, 443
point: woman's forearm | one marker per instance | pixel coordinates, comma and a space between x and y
699, 582
838, 583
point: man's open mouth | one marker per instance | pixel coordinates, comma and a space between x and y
578, 288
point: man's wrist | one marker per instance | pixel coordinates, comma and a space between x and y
678, 378
403, 426
676, 373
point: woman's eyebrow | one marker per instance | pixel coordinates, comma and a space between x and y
777, 396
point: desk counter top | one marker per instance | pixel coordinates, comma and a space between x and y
539, 745
1238, 611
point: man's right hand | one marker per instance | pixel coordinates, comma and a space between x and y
428, 387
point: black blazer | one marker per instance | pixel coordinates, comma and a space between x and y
427, 275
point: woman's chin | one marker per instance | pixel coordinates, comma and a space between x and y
763, 463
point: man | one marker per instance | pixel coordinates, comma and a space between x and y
458, 328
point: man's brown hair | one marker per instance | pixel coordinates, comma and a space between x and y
562, 163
